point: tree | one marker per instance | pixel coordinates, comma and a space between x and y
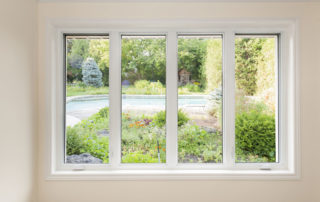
99, 51
213, 65
92, 75
77, 50
144, 59
191, 56
248, 54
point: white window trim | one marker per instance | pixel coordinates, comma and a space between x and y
289, 166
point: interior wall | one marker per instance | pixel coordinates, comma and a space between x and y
302, 190
18, 97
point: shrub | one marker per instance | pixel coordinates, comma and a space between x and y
160, 118
104, 112
255, 134
193, 87
92, 75
142, 84
144, 87
74, 142
182, 118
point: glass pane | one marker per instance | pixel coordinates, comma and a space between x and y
143, 72
200, 99
87, 104
256, 95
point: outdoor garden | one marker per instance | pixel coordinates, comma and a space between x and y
143, 72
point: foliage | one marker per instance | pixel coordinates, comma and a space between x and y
74, 142
73, 74
255, 134
104, 112
266, 71
144, 87
140, 138
83, 137
160, 118
191, 56
77, 50
92, 75
197, 145
248, 53
192, 87
213, 64
99, 51
143, 59
247, 104
138, 157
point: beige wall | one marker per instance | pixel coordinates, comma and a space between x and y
17, 100
304, 190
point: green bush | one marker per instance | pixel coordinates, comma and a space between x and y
104, 112
144, 87
255, 135
74, 142
160, 118
193, 87
142, 84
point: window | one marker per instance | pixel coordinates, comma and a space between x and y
181, 104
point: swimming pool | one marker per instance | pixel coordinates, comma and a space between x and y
97, 102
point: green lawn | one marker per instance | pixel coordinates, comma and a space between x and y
75, 90
88, 90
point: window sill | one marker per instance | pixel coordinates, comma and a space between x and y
174, 175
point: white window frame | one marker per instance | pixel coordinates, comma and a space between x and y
289, 158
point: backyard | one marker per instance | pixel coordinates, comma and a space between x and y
143, 122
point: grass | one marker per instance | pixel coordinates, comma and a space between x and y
76, 90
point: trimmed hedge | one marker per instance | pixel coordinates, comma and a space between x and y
255, 135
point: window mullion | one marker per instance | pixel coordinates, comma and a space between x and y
172, 99
115, 99
229, 99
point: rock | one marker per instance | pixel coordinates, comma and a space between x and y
83, 159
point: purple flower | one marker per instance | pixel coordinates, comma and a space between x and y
147, 121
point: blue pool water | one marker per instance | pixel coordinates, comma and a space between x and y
84, 104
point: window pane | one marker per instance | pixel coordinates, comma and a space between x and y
87, 104
256, 95
200, 99
143, 72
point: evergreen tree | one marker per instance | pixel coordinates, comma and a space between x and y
91, 73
